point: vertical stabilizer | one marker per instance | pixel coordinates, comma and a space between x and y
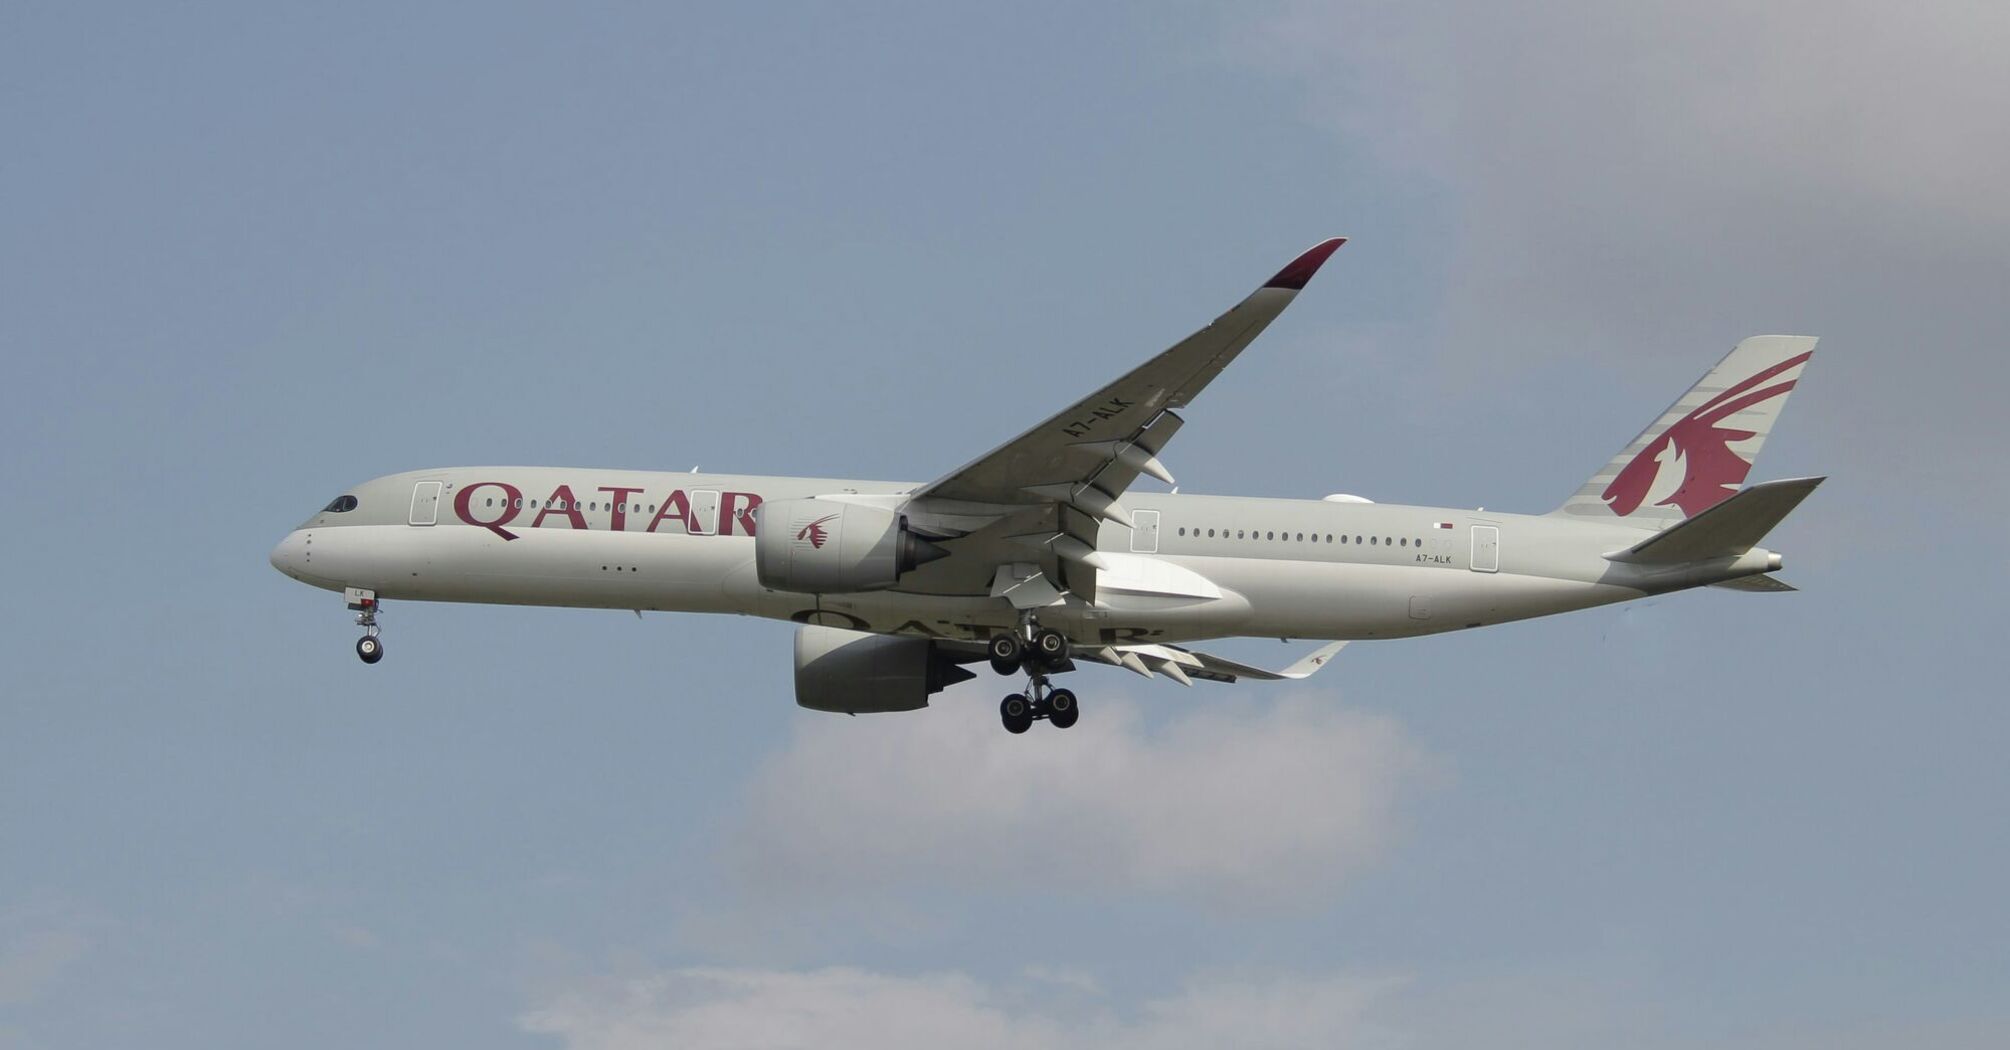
1699, 451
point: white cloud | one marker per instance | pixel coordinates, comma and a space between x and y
1585, 1005
696, 1008
37, 945
1870, 104
1265, 804
1620, 169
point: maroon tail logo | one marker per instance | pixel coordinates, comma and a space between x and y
1701, 449
814, 532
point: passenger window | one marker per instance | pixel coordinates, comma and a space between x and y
1371, 541
1405, 542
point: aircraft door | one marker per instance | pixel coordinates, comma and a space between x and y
426, 502
1486, 548
1145, 532
704, 512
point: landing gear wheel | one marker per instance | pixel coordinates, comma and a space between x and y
1051, 645
369, 648
1062, 709
1016, 713
1006, 651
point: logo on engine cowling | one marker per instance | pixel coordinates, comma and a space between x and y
814, 532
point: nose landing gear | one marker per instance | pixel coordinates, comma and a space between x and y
369, 648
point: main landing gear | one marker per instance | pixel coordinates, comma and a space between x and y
1046, 651
369, 647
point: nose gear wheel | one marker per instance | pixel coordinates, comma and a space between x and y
369, 648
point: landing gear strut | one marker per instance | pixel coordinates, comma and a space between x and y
369, 647
1047, 652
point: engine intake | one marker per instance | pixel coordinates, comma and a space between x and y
853, 672
821, 546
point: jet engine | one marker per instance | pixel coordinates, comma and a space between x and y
821, 546
853, 672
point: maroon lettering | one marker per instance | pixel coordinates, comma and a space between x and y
676, 505
737, 507
464, 506
561, 497
620, 504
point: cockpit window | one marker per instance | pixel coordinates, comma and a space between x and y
341, 504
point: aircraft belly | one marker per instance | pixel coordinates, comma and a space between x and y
972, 617
1340, 600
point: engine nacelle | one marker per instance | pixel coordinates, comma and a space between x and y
821, 546
853, 672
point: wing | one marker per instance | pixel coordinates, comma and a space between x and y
1046, 490
1757, 585
1183, 665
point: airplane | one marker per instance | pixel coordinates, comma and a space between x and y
1045, 553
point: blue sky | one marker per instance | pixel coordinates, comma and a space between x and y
253, 254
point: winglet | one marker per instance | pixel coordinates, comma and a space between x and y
1221, 669
1312, 662
1296, 275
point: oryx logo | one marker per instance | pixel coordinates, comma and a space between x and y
1710, 470
814, 532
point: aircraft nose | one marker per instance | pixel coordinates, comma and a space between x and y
287, 556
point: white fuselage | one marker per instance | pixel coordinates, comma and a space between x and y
1193, 567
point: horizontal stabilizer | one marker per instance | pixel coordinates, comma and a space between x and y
1724, 531
1757, 584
